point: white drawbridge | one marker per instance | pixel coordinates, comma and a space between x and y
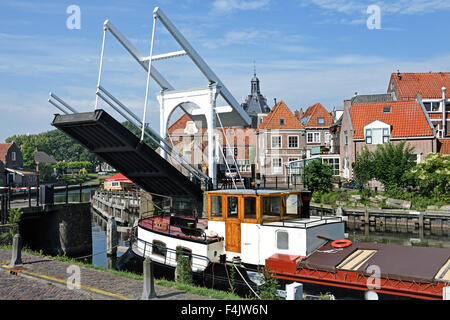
198, 103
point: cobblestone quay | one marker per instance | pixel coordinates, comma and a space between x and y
45, 279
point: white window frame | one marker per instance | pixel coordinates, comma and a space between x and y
386, 135
272, 144
277, 169
13, 156
368, 136
314, 140
289, 143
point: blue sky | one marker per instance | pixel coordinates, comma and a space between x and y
306, 51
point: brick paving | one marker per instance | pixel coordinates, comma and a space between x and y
21, 288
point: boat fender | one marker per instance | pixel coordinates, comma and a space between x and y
341, 243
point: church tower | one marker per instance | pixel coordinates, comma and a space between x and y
256, 104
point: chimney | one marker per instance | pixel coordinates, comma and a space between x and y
419, 98
399, 75
275, 100
444, 120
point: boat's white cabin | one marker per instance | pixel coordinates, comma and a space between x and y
259, 223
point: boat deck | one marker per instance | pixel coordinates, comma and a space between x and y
419, 272
180, 227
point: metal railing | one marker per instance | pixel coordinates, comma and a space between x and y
288, 223
170, 255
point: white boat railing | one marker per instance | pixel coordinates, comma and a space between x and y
295, 223
169, 256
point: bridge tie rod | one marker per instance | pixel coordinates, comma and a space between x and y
62, 103
127, 110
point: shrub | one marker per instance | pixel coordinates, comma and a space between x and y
268, 290
183, 272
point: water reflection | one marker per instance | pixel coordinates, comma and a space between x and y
398, 234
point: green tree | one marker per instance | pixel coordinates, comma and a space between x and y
363, 169
46, 173
28, 155
432, 176
318, 176
391, 162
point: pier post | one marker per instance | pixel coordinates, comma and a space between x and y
111, 237
16, 258
294, 291
446, 293
148, 291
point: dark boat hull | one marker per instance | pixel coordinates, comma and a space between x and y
217, 276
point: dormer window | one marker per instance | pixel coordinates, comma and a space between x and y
320, 120
387, 109
377, 135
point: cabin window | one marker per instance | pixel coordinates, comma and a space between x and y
282, 240
216, 206
184, 252
271, 206
293, 204
233, 207
249, 208
159, 248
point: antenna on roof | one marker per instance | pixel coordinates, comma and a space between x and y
254, 68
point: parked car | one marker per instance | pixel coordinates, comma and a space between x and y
231, 174
350, 185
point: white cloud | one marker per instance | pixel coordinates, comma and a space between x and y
229, 5
393, 7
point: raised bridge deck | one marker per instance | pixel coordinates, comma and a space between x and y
110, 140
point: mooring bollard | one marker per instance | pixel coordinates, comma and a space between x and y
148, 291
446, 293
16, 258
294, 291
111, 237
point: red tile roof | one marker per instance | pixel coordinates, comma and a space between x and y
311, 115
118, 177
278, 112
406, 118
444, 146
3, 150
429, 85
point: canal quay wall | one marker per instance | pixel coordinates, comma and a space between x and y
58, 229
388, 219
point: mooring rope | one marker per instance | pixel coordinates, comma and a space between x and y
91, 255
246, 282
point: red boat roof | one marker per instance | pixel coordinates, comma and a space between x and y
408, 263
